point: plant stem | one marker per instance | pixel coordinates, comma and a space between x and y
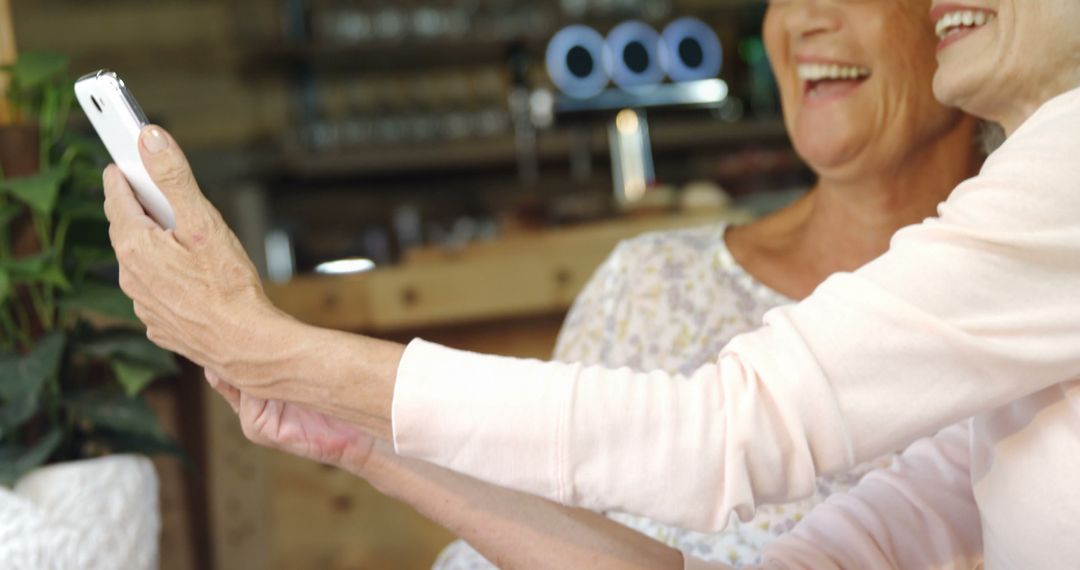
67, 99
37, 298
42, 228
47, 123
23, 322
68, 157
5, 243
12, 331
52, 406
61, 236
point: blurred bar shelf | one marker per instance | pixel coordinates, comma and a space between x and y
500, 152
368, 56
703, 94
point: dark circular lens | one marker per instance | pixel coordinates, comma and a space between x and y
636, 57
579, 61
690, 53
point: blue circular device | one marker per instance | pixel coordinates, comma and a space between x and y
632, 56
575, 61
691, 50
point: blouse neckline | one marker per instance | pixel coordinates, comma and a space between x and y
729, 264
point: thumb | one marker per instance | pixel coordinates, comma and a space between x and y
170, 171
231, 394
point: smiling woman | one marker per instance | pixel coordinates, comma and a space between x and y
1003, 70
671, 300
970, 320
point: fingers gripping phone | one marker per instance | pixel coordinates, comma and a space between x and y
118, 120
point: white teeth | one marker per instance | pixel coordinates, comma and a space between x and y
820, 71
953, 21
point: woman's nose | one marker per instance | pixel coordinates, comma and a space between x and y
806, 18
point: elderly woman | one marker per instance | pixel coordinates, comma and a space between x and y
886, 153
974, 313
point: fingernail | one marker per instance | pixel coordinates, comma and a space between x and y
155, 140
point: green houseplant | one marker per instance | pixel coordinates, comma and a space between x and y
73, 357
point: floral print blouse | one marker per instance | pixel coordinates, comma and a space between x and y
671, 300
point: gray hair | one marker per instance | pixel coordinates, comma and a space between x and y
991, 136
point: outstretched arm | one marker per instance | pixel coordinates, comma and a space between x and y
511, 529
964, 314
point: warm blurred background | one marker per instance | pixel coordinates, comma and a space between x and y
425, 142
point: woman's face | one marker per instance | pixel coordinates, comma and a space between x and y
855, 81
1001, 59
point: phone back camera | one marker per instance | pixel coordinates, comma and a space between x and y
96, 104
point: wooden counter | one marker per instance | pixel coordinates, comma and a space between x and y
529, 274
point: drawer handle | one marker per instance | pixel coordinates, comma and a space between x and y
410, 297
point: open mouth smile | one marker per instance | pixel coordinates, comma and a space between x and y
953, 23
826, 81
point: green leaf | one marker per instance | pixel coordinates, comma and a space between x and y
28, 267
32, 69
5, 285
101, 299
16, 461
54, 275
131, 347
17, 410
86, 146
8, 212
129, 443
116, 412
88, 256
81, 206
27, 374
38, 191
23, 377
40, 268
133, 376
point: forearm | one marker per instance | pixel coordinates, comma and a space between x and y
512, 529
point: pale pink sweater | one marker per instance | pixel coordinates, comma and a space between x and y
975, 313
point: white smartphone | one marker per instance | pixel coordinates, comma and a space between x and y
118, 120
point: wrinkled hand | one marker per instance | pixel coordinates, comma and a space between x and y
194, 287
293, 429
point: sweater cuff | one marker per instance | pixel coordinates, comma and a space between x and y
494, 418
691, 563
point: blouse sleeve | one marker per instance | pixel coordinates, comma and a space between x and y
964, 314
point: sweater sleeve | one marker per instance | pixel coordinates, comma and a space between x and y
964, 314
919, 513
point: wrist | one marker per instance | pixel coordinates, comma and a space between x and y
268, 357
348, 376
374, 467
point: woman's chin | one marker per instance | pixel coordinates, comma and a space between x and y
826, 153
827, 162
956, 90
